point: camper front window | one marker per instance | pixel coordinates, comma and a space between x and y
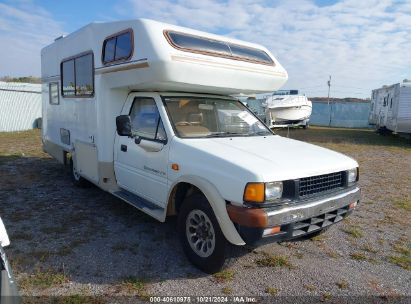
194, 117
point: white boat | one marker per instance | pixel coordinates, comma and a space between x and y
286, 108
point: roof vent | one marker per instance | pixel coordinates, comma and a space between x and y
58, 38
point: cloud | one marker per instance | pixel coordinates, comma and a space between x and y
24, 29
362, 44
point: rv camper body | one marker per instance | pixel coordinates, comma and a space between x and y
391, 107
142, 110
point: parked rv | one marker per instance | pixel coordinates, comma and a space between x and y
391, 108
143, 110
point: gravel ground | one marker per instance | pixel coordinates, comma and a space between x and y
85, 242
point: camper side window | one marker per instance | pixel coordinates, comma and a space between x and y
118, 47
146, 121
54, 93
77, 76
196, 44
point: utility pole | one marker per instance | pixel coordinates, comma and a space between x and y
329, 109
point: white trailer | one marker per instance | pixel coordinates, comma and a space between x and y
143, 110
391, 107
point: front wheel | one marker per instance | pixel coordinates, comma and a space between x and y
202, 239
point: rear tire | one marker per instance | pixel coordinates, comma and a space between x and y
76, 177
200, 234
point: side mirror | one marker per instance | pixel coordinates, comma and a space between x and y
123, 125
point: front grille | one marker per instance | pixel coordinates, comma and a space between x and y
320, 183
318, 222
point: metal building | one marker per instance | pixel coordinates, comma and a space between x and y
20, 106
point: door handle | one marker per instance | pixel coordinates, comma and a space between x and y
123, 148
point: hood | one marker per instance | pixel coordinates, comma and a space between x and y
274, 158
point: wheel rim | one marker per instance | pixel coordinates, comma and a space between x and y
200, 233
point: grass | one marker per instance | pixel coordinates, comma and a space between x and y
343, 284
358, 256
319, 238
402, 261
354, 232
331, 253
135, 285
271, 291
273, 261
401, 249
369, 248
224, 276
404, 204
325, 296
227, 290
41, 255
43, 279
309, 287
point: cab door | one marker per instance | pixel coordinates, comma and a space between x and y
141, 160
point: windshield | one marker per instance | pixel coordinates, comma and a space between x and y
194, 117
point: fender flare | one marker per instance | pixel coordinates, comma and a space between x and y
217, 203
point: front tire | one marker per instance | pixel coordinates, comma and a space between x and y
201, 237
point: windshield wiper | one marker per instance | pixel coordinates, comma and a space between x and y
262, 133
222, 134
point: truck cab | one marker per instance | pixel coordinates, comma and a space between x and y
173, 154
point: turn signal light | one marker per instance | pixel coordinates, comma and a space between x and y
273, 230
254, 192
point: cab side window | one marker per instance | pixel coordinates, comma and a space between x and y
145, 120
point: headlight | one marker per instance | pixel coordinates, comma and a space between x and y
273, 190
262, 192
352, 175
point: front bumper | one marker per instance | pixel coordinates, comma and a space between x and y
294, 220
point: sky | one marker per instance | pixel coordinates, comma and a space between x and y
362, 44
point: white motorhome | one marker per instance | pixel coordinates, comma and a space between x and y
391, 107
143, 110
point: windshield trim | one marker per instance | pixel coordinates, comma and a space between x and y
163, 99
